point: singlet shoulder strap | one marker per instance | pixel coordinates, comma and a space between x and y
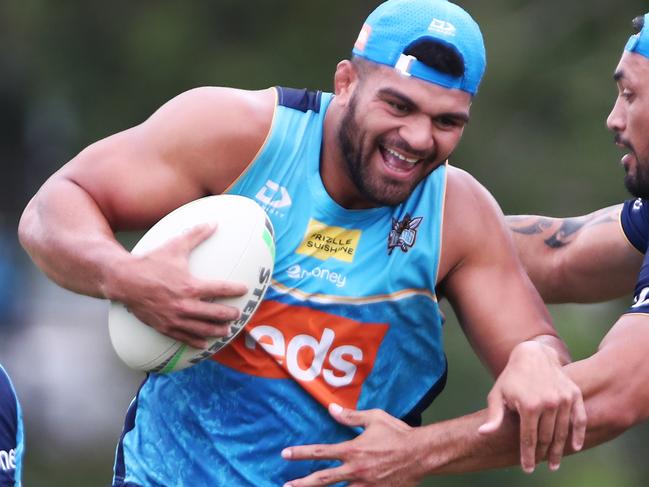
299, 99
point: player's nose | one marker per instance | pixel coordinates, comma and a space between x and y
417, 132
616, 120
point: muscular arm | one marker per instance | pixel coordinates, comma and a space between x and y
494, 299
194, 145
615, 385
581, 259
500, 312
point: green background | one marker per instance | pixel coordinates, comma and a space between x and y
72, 72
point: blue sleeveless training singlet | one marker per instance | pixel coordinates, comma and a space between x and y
351, 317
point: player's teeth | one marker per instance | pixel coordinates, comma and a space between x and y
401, 156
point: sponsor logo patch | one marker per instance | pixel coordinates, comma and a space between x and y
273, 197
298, 272
404, 233
328, 355
325, 242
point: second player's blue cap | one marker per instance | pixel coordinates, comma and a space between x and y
639, 42
396, 25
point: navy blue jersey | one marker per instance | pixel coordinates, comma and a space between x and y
635, 223
11, 434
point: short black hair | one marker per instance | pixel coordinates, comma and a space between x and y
437, 55
638, 23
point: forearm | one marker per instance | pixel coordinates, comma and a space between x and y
464, 448
66, 235
615, 380
456, 446
615, 386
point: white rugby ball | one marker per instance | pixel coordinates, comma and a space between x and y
242, 249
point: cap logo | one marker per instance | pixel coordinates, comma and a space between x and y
442, 27
363, 37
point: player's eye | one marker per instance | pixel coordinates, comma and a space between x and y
400, 108
449, 122
627, 94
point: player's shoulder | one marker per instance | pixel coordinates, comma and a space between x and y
473, 221
8, 404
301, 99
222, 108
7, 394
634, 219
466, 195
637, 209
207, 124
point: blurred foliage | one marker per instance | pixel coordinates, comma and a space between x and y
76, 71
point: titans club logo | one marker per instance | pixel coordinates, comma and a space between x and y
403, 233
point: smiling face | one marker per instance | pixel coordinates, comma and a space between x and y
393, 132
629, 120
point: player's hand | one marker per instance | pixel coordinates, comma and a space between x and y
158, 288
381, 456
548, 403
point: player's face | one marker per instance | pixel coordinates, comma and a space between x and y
629, 119
396, 131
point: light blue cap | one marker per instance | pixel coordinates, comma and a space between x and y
639, 42
397, 24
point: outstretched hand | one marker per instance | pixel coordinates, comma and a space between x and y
158, 288
548, 403
380, 456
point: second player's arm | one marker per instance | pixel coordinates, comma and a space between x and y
580, 259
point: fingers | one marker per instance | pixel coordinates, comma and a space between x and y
204, 330
548, 427
572, 414
188, 339
315, 452
196, 333
495, 413
560, 436
213, 290
323, 477
196, 235
579, 420
207, 311
350, 417
528, 437
544, 431
194, 322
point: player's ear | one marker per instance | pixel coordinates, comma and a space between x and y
345, 80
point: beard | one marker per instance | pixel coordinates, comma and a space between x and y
379, 191
637, 184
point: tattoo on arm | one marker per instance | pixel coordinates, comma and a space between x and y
529, 225
568, 227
